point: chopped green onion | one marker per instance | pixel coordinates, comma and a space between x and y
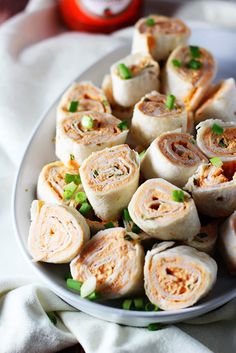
222, 143
128, 237
194, 64
88, 287
80, 197
202, 235
126, 215
124, 71
195, 51
151, 307
72, 157
217, 129
69, 190
126, 305
73, 284
150, 22
178, 195
73, 106
109, 225
193, 141
216, 161
155, 326
123, 125
72, 177
138, 303
85, 208
87, 122
176, 63
170, 101
105, 103
94, 296
136, 229
52, 318
141, 155
95, 173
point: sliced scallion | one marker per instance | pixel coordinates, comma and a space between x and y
138, 303
141, 154
94, 296
85, 208
176, 63
126, 305
217, 129
155, 326
126, 215
151, 307
135, 229
124, 71
80, 197
178, 195
123, 125
72, 157
73, 284
195, 51
69, 190
109, 225
73, 106
216, 161
52, 317
194, 64
87, 122
72, 177
150, 22
170, 101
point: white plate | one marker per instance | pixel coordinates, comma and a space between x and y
40, 151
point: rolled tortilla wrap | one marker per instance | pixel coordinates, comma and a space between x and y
84, 96
227, 243
217, 138
123, 113
110, 177
159, 39
177, 278
76, 142
144, 78
173, 156
116, 263
189, 82
152, 117
220, 104
214, 189
154, 209
57, 233
51, 183
206, 239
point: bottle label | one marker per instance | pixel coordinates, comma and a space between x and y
104, 8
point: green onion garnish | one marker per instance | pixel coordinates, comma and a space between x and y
151, 307
123, 125
155, 326
178, 195
193, 141
216, 161
124, 71
85, 208
80, 197
94, 296
135, 229
69, 190
194, 64
170, 101
87, 122
95, 173
72, 157
128, 237
138, 303
105, 103
195, 51
109, 225
52, 318
126, 305
73, 284
217, 129
150, 22
72, 177
176, 63
73, 106
126, 215
141, 155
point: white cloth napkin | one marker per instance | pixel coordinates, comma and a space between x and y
37, 60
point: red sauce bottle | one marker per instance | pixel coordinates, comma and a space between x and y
99, 16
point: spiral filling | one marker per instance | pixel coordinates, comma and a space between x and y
163, 26
155, 105
181, 149
223, 144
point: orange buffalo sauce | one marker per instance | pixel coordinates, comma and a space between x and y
99, 16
